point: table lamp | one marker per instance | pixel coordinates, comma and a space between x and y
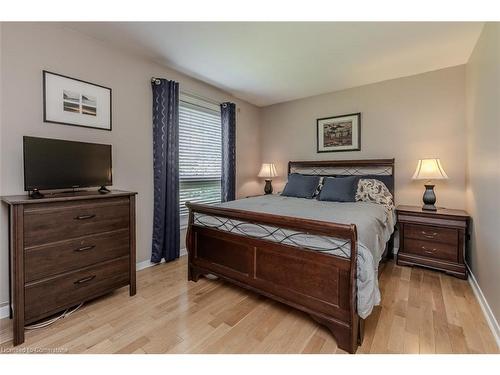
268, 171
429, 169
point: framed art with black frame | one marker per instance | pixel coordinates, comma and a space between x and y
71, 101
339, 133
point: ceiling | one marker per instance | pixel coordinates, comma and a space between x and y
268, 63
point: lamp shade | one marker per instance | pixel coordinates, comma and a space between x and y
268, 170
429, 169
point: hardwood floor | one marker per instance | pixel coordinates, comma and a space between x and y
421, 312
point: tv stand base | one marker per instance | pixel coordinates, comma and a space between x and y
104, 190
35, 194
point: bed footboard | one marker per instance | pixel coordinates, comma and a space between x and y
320, 284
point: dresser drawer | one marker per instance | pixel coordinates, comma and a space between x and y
47, 260
44, 224
49, 296
431, 249
424, 232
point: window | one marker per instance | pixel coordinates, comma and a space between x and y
200, 152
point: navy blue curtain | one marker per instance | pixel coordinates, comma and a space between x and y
228, 118
166, 225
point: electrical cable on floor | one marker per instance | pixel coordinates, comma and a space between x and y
47, 323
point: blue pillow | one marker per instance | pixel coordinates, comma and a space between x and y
301, 186
339, 189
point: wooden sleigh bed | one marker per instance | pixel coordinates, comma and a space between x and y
319, 284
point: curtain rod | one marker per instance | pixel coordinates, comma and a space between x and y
157, 81
196, 96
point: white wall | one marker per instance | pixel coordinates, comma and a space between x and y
483, 167
406, 118
28, 48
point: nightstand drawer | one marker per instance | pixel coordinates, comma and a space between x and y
431, 249
424, 232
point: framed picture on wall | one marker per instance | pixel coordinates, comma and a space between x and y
70, 101
339, 133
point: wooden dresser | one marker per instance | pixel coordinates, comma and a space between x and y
66, 249
433, 239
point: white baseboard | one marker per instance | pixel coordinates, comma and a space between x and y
488, 314
4, 310
147, 263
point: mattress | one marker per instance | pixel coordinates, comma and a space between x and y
374, 223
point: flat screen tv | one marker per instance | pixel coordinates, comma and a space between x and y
59, 164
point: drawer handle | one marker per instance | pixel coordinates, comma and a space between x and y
84, 217
429, 235
84, 280
85, 248
429, 251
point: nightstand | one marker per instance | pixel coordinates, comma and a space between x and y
433, 239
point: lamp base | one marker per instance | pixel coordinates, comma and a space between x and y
268, 189
428, 207
429, 198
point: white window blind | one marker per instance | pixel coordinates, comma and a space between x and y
200, 152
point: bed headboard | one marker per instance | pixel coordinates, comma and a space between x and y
380, 169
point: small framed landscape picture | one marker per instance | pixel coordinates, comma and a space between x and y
339, 133
70, 101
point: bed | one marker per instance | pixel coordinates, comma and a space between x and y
319, 257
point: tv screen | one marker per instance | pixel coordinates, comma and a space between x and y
60, 164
